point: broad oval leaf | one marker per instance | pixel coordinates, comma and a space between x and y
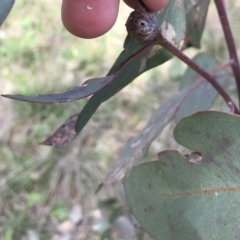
173, 199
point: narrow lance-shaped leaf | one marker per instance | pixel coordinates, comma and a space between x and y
176, 200
136, 148
131, 48
194, 101
203, 96
5, 8
175, 31
188, 23
172, 22
64, 135
90, 87
196, 14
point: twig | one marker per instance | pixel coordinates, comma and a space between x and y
139, 6
175, 51
230, 43
217, 68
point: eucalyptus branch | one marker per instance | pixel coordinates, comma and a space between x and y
161, 40
230, 43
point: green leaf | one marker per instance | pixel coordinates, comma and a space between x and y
137, 147
196, 13
123, 78
172, 22
203, 96
90, 87
5, 8
181, 105
173, 199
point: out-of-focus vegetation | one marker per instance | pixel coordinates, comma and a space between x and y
42, 187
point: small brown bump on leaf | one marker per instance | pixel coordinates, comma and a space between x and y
64, 135
193, 157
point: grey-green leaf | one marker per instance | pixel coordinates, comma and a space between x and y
203, 96
136, 147
175, 200
5, 8
196, 13
173, 17
90, 87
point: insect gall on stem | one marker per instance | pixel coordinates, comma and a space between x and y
142, 25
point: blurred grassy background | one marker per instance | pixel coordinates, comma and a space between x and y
38, 184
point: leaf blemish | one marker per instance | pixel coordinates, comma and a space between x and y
193, 131
170, 226
147, 130
133, 145
154, 50
210, 159
226, 143
168, 31
234, 168
220, 221
149, 209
